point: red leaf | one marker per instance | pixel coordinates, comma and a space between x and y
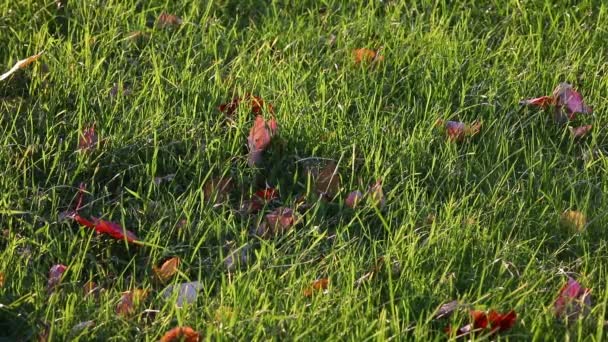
353, 198
184, 334
502, 322
481, 320
572, 300
259, 138
267, 194
55, 274
570, 100
581, 131
88, 139
114, 230
457, 131
277, 222
543, 101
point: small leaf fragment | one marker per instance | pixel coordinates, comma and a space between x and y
216, 190
129, 300
364, 55
327, 182
166, 20
580, 132
446, 309
88, 139
376, 195
20, 65
353, 198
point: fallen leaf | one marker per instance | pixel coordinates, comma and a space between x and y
580, 132
20, 65
327, 181
90, 289
129, 300
364, 55
112, 229
376, 194
259, 138
183, 334
88, 139
78, 328
572, 300
166, 20
568, 99
574, 220
446, 309
268, 194
256, 103
481, 321
55, 274
317, 285
458, 131
167, 269
1, 280
217, 189
186, 292
543, 102
353, 198
278, 222
44, 332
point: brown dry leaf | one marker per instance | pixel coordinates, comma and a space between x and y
20, 65
573, 220
364, 55
317, 285
278, 222
217, 189
353, 198
376, 193
580, 132
446, 309
166, 20
90, 288
55, 274
167, 269
129, 300
1, 279
328, 181
44, 332
180, 334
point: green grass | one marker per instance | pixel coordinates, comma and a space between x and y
496, 242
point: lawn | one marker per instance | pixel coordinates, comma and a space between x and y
228, 137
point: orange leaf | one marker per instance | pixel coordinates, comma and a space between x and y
183, 334
20, 65
317, 285
167, 269
1, 279
367, 56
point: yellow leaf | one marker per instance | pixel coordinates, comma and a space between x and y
574, 220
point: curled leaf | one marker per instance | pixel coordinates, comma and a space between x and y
580, 132
364, 55
166, 20
317, 285
180, 334
574, 220
55, 274
20, 65
353, 198
167, 270
572, 300
542, 102
112, 229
